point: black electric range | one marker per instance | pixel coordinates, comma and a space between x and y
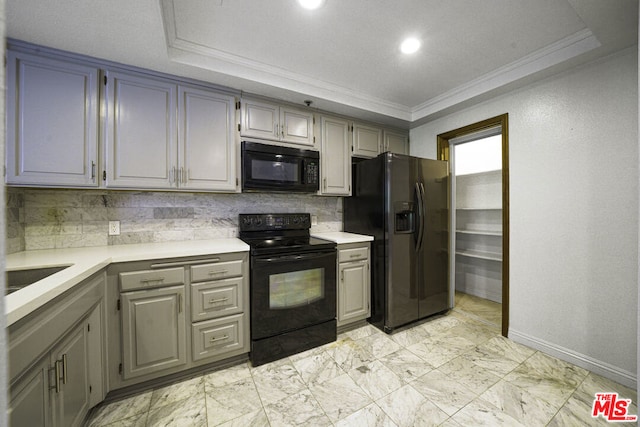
292, 287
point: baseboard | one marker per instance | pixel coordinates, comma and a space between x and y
626, 378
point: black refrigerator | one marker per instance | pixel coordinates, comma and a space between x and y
402, 201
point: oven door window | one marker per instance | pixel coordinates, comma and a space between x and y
296, 289
291, 291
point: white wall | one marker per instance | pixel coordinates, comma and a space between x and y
573, 142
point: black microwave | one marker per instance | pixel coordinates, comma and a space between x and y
275, 168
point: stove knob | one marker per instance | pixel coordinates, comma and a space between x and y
296, 220
258, 221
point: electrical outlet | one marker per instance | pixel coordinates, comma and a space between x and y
314, 220
114, 228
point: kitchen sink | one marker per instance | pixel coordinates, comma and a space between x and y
18, 279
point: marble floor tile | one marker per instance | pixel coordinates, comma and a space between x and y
277, 380
228, 376
317, 368
378, 345
119, 410
450, 396
479, 308
520, 404
480, 413
349, 354
191, 412
490, 361
186, 389
548, 378
452, 370
369, 416
376, 379
256, 418
340, 397
300, 409
407, 408
441, 348
406, 365
231, 401
474, 377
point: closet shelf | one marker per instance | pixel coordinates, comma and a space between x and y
490, 256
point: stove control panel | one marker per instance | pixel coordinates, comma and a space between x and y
266, 222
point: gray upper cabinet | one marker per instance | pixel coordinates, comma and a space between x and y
206, 140
269, 121
141, 139
52, 122
160, 135
335, 161
367, 140
396, 142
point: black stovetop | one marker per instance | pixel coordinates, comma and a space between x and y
280, 233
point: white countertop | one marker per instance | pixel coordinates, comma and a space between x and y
84, 262
341, 237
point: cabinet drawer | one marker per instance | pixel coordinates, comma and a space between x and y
215, 299
219, 270
151, 278
216, 337
355, 254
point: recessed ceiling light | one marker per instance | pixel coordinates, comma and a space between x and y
410, 45
311, 4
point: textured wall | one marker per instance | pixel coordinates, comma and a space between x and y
573, 157
44, 219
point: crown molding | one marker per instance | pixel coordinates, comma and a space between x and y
570, 47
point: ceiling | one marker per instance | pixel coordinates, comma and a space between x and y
344, 56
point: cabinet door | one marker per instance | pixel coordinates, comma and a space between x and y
259, 119
353, 302
30, 398
140, 136
71, 403
153, 330
396, 142
367, 140
336, 157
296, 126
52, 122
207, 149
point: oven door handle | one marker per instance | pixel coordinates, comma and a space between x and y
289, 258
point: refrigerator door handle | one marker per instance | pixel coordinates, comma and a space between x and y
420, 220
423, 216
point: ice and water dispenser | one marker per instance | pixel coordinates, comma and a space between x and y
404, 217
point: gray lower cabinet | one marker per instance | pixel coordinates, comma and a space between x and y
63, 375
354, 284
219, 305
153, 330
172, 315
30, 398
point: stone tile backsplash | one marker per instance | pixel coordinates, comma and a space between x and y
52, 218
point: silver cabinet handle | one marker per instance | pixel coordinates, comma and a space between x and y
354, 256
224, 337
155, 279
93, 170
179, 303
214, 272
215, 301
64, 368
56, 372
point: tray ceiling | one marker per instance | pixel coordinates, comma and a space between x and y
344, 54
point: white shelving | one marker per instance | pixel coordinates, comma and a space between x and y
479, 235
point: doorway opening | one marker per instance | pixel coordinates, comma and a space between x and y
479, 198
